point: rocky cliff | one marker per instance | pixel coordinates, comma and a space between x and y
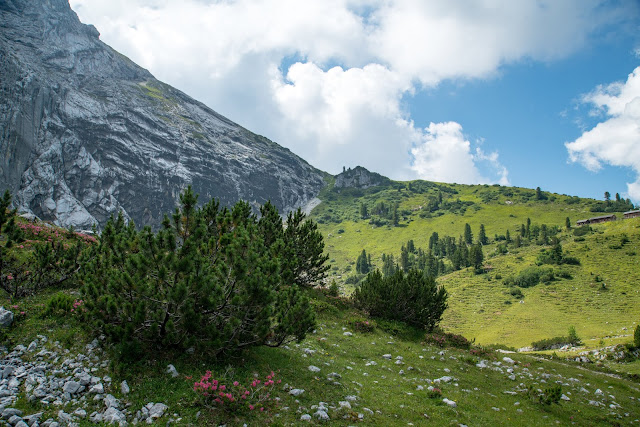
359, 177
85, 132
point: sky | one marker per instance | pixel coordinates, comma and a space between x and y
529, 93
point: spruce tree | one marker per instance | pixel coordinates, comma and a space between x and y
482, 236
468, 236
362, 263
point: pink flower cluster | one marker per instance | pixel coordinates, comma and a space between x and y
77, 304
236, 396
51, 233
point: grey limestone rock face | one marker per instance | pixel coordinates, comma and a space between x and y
86, 133
359, 177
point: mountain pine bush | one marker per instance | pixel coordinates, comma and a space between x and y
52, 261
214, 277
412, 298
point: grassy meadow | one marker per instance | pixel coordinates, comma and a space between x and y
599, 297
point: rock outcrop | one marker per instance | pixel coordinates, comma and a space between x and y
359, 177
85, 132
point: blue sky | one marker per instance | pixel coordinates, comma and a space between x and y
528, 93
530, 109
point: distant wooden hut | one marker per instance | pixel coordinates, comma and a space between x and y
600, 219
631, 214
581, 222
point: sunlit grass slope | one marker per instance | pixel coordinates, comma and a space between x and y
601, 297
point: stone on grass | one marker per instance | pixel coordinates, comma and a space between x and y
113, 415
321, 415
110, 401
296, 392
313, 368
172, 370
508, 360
157, 410
80, 413
386, 356
482, 364
97, 389
305, 417
124, 387
451, 403
71, 387
344, 404
6, 318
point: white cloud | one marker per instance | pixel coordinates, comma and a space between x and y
228, 54
616, 140
445, 155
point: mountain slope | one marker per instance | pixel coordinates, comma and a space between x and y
480, 305
85, 132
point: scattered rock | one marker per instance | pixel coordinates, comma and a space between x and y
124, 387
322, 415
313, 368
451, 403
157, 410
296, 392
6, 318
172, 370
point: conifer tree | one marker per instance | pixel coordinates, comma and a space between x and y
482, 236
468, 236
217, 278
362, 263
476, 257
417, 299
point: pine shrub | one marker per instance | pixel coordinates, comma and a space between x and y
213, 277
411, 298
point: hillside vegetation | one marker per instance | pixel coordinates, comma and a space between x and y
600, 296
350, 369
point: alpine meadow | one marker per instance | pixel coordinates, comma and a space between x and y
374, 264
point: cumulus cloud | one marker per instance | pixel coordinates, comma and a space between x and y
445, 155
326, 78
616, 140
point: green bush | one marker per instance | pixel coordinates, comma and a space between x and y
363, 325
581, 231
516, 293
528, 277
50, 264
217, 278
333, 290
557, 342
445, 339
60, 304
550, 395
417, 300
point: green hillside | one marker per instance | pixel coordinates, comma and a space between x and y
599, 297
351, 368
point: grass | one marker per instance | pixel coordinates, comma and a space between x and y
392, 395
